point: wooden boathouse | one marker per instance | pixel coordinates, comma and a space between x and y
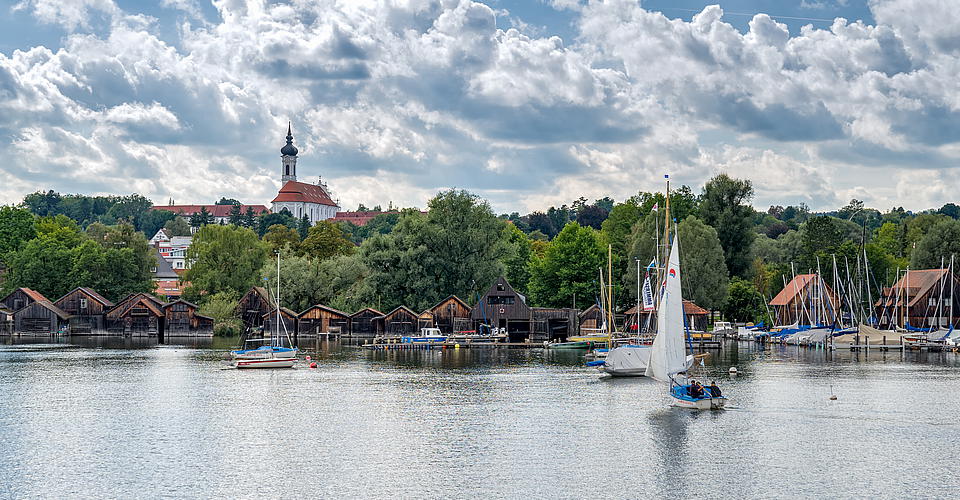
804, 300
363, 324
137, 315
921, 298
253, 306
449, 315
322, 320
288, 323
87, 310
20, 298
400, 321
40, 317
182, 318
591, 319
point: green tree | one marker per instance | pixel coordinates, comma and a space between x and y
303, 226
131, 209
201, 218
743, 302
568, 268
227, 201
266, 220
456, 248
44, 263
279, 237
222, 307
152, 221
224, 259
820, 237
325, 240
701, 258
177, 227
16, 228
724, 205
518, 263
236, 216
249, 219
940, 241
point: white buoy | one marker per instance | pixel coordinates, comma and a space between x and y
833, 397
733, 369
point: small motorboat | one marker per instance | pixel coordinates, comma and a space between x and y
427, 335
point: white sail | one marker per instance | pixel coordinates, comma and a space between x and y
668, 356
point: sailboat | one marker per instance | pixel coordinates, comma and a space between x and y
274, 355
669, 361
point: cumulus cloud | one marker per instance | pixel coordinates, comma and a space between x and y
401, 99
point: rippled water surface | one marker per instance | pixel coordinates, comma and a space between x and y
108, 419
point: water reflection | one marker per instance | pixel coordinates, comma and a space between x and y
492, 423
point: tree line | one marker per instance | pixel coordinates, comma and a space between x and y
736, 258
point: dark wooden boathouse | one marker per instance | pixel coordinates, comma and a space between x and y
20, 298
183, 318
86, 308
554, 324
448, 313
288, 323
253, 306
137, 315
323, 320
504, 308
40, 317
591, 319
400, 321
362, 322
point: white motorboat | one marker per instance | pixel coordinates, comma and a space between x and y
427, 335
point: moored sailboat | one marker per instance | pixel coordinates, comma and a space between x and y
274, 355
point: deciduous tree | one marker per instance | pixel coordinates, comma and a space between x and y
224, 259
570, 266
725, 205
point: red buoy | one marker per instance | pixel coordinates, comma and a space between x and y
313, 365
308, 358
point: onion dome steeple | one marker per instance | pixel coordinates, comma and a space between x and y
289, 149
289, 158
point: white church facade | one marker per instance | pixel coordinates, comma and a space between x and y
301, 198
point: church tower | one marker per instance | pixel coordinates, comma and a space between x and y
289, 157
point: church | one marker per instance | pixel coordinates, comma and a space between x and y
301, 198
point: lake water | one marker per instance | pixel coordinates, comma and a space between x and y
109, 419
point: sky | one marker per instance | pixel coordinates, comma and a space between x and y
527, 103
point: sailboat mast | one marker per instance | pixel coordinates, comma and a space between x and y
953, 289
610, 289
276, 341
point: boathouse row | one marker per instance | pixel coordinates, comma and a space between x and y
500, 307
83, 311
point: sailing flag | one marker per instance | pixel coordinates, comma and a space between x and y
652, 264
656, 207
647, 295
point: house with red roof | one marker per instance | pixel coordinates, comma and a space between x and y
921, 298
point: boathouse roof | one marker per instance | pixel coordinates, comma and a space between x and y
915, 284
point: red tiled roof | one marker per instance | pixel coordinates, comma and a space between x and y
307, 193
33, 294
215, 210
916, 284
795, 287
358, 218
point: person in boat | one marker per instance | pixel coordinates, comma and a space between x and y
714, 390
695, 390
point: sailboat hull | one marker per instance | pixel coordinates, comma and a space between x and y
266, 363
682, 400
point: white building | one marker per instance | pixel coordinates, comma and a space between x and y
300, 198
